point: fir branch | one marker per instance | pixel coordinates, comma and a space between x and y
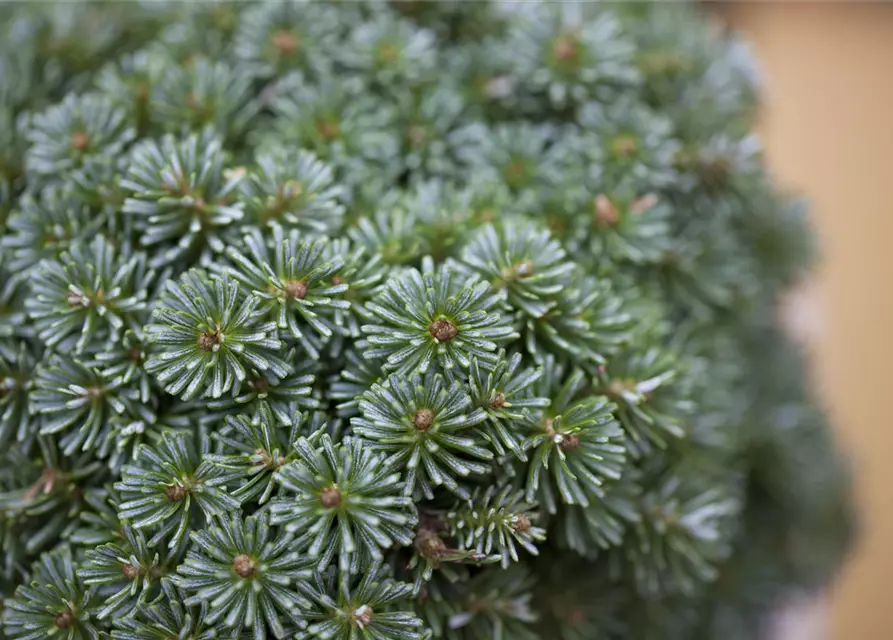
523, 263
293, 189
496, 518
576, 443
206, 336
182, 195
43, 226
168, 617
159, 489
127, 573
204, 95
363, 608
253, 449
504, 393
426, 319
419, 423
79, 406
292, 279
89, 295
55, 604
343, 501
72, 133
265, 392
249, 576
17, 366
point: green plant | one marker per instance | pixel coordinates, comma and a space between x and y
397, 320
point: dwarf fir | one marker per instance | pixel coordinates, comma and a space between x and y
397, 320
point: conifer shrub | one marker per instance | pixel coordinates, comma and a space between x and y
393, 321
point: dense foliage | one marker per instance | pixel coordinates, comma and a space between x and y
394, 321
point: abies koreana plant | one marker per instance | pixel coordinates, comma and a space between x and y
397, 320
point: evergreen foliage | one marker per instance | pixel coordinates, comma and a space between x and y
397, 321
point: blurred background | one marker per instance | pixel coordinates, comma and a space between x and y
827, 126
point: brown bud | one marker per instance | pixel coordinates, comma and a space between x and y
565, 47
175, 493
79, 141
208, 340
130, 571
423, 419
429, 544
606, 214
443, 330
296, 290
64, 619
328, 129
330, 497
569, 441
388, 52
285, 42
244, 566
498, 401
522, 524
624, 146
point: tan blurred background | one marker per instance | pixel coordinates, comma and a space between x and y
827, 126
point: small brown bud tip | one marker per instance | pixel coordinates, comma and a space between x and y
208, 340
522, 524
330, 497
336, 280
64, 620
498, 401
130, 572
135, 353
175, 493
244, 566
524, 269
79, 141
285, 42
296, 290
606, 214
388, 52
429, 544
443, 330
328, 129
643, 204
624, 146
362, 617
569, 441
565, 47
515, 172
94, 393
261, 385
423, 419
